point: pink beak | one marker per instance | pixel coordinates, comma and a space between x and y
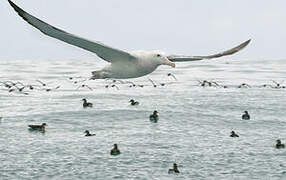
169, 63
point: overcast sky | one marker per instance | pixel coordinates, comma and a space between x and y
188, 27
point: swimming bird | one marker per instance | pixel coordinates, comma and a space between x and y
245, 116
86, 104
133, 102
115, 151
154, 117
123, 64
87, 133
233, 134
279, 145
174, 170
38, 127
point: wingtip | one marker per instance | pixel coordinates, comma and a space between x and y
11, 3
248, 41
244, 44
16, 8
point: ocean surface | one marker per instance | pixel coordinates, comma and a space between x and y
193, 128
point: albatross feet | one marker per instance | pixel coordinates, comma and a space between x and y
97, 75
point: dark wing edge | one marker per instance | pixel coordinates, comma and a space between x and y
107, 53
176, 58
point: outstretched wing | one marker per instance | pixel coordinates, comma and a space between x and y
107, 53
176, 58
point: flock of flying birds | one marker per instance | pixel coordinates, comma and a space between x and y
81, 83
275, 85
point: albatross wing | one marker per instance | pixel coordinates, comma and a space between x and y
107, 53
176, 58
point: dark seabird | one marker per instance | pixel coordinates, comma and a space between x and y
43, 84
245, 116
154, 117
206, 83
133, 103
153, 83
170, 74
38, 127
278, 85
233, 134
87, 133
244, 85
84, 86
113, 85
86, 104
115, 151
174, 170
50, 89
279, 145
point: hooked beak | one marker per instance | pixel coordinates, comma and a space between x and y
168, 62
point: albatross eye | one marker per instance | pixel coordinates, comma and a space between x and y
158, 55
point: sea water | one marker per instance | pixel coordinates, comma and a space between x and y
193, 128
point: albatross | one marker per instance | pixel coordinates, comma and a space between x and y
122, 64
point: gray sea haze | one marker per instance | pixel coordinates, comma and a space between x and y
193, 129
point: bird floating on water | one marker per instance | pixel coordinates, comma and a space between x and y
174, 170
38, 127
233, 134
86, 104
123, 64
133, 102
115, 151
245, 116
87, 133
154, 117
279, 145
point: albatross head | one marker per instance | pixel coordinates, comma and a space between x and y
161, 58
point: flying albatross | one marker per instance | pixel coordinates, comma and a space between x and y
122, 64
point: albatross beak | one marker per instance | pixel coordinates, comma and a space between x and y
168, 62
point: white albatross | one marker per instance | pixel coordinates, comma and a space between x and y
122, 65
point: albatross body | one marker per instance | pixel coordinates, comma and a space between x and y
122, 64
142, 63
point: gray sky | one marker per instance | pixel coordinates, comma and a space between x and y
187, 27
